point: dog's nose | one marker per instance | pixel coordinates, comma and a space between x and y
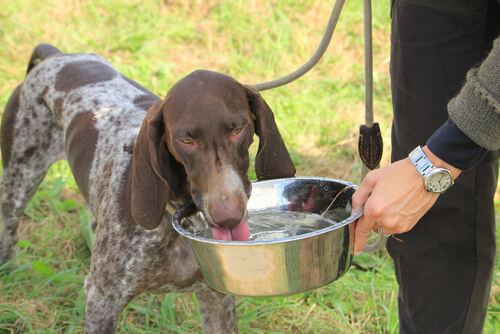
227, 212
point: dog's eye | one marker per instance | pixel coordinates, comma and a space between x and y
236, 131
187, 141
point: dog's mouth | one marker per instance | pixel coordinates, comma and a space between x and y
229, 232
235, 230
239, 232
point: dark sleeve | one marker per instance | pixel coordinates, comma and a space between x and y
451, 145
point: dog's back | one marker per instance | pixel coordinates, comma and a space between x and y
77, 98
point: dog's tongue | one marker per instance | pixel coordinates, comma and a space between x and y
239, 232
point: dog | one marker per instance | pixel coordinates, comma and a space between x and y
132, 154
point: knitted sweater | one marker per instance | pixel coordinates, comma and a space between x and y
476, 109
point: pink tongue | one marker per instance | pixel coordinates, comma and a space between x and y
239, 232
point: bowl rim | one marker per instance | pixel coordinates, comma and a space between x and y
347, 221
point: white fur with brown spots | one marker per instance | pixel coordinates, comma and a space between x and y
193, 144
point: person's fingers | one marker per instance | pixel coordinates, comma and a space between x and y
363, 229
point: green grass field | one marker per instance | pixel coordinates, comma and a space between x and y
156, 43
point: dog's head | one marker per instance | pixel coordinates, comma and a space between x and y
200, 133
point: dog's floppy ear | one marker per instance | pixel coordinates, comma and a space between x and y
272, 160
150, 167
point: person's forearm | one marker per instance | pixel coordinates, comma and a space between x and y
476, 109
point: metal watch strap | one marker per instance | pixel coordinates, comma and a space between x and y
420, 160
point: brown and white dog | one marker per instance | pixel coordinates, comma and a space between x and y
192, 144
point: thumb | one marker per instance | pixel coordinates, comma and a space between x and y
364, 225
363, 229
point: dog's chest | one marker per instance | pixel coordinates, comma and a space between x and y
166, 261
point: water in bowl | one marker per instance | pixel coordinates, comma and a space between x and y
274, 224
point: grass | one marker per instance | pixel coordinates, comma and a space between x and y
156, 43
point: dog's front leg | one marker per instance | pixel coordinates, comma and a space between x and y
101, 313
218, 312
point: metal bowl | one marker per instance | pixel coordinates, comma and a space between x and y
281, 266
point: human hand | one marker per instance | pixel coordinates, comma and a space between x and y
394, 197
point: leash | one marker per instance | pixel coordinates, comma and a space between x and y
370, 144
320, 51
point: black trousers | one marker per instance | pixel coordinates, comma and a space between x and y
444, 266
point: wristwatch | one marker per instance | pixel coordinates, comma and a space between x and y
436, 180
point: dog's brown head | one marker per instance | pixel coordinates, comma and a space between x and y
200, 134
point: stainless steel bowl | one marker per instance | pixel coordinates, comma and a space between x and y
281, 266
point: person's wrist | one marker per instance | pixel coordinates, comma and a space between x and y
437, 162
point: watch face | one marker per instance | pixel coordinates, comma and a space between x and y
439, 180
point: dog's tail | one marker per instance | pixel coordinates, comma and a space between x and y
40, 53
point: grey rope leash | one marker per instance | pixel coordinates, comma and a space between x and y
320, 51
367, 26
